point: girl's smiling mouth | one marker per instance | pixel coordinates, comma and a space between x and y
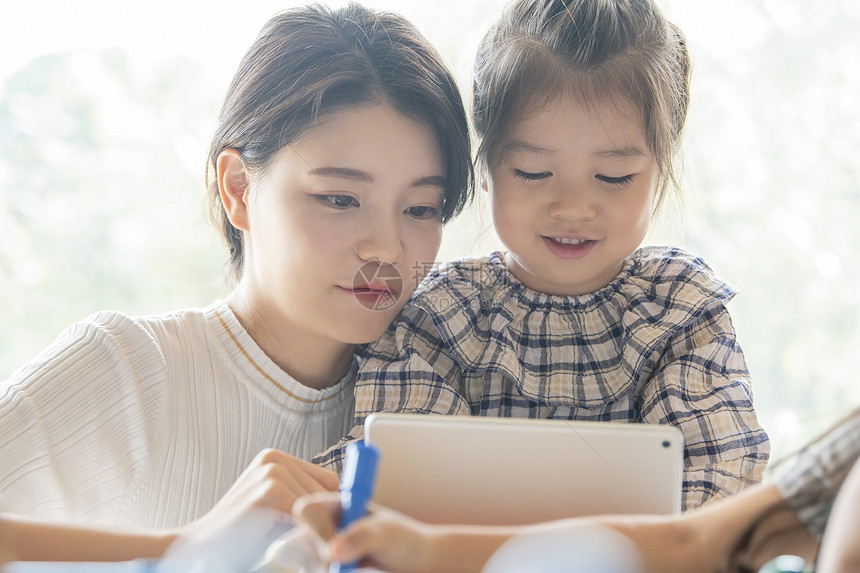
568, 248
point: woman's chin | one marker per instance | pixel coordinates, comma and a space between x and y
367, 327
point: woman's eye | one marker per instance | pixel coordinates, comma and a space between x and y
337, 201
617, 181
423, 212
529, 176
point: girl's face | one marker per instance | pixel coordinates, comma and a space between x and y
339, 223
572, 193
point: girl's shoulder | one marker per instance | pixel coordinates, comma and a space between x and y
664, 264
460, 304
673, 277
464, 273
468, 283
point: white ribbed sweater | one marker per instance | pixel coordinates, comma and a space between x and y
147, 421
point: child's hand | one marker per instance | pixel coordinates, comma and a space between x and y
384, 538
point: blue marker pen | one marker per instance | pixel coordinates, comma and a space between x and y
359, 475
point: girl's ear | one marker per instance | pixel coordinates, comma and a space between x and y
233, 187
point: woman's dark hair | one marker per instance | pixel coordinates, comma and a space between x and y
312, 61
595, 50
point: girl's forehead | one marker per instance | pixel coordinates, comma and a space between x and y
568, 117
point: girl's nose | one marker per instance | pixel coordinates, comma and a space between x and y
573, 204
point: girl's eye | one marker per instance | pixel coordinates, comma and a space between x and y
617, 181
337, 201
423, 212
527, 176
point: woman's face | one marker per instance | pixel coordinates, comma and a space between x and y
340, 222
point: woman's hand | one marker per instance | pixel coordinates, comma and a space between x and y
6, 553
253, 513
273, 481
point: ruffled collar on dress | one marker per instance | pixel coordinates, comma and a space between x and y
491, 322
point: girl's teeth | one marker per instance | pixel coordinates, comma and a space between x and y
569, 241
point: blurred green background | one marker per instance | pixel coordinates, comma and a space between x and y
106, 111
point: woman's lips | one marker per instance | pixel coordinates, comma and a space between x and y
372, 294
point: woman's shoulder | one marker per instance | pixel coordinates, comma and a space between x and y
113, 340
114, 323
104, 386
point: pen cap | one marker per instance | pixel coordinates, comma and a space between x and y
359, 471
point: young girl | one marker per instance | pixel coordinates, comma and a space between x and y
809, 511
580, 106
341, 148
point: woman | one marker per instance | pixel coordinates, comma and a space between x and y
341, 149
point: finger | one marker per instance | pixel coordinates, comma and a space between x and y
292, 483
280, 489
365, 537
299, 477
320, 511
300, 549
326, 479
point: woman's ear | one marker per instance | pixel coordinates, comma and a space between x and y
233, 187
484, 178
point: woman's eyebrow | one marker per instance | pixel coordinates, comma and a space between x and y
431, 181
353, 174
343, 173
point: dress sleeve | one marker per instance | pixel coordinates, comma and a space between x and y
408, 370
811, 479
702, 385
75, 423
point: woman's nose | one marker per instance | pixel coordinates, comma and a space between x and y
381, 242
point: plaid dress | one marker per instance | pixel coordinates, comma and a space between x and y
656, 345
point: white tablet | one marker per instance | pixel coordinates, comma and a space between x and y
480, 470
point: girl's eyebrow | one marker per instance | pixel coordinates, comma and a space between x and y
518, 146
365, 177
621, 152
